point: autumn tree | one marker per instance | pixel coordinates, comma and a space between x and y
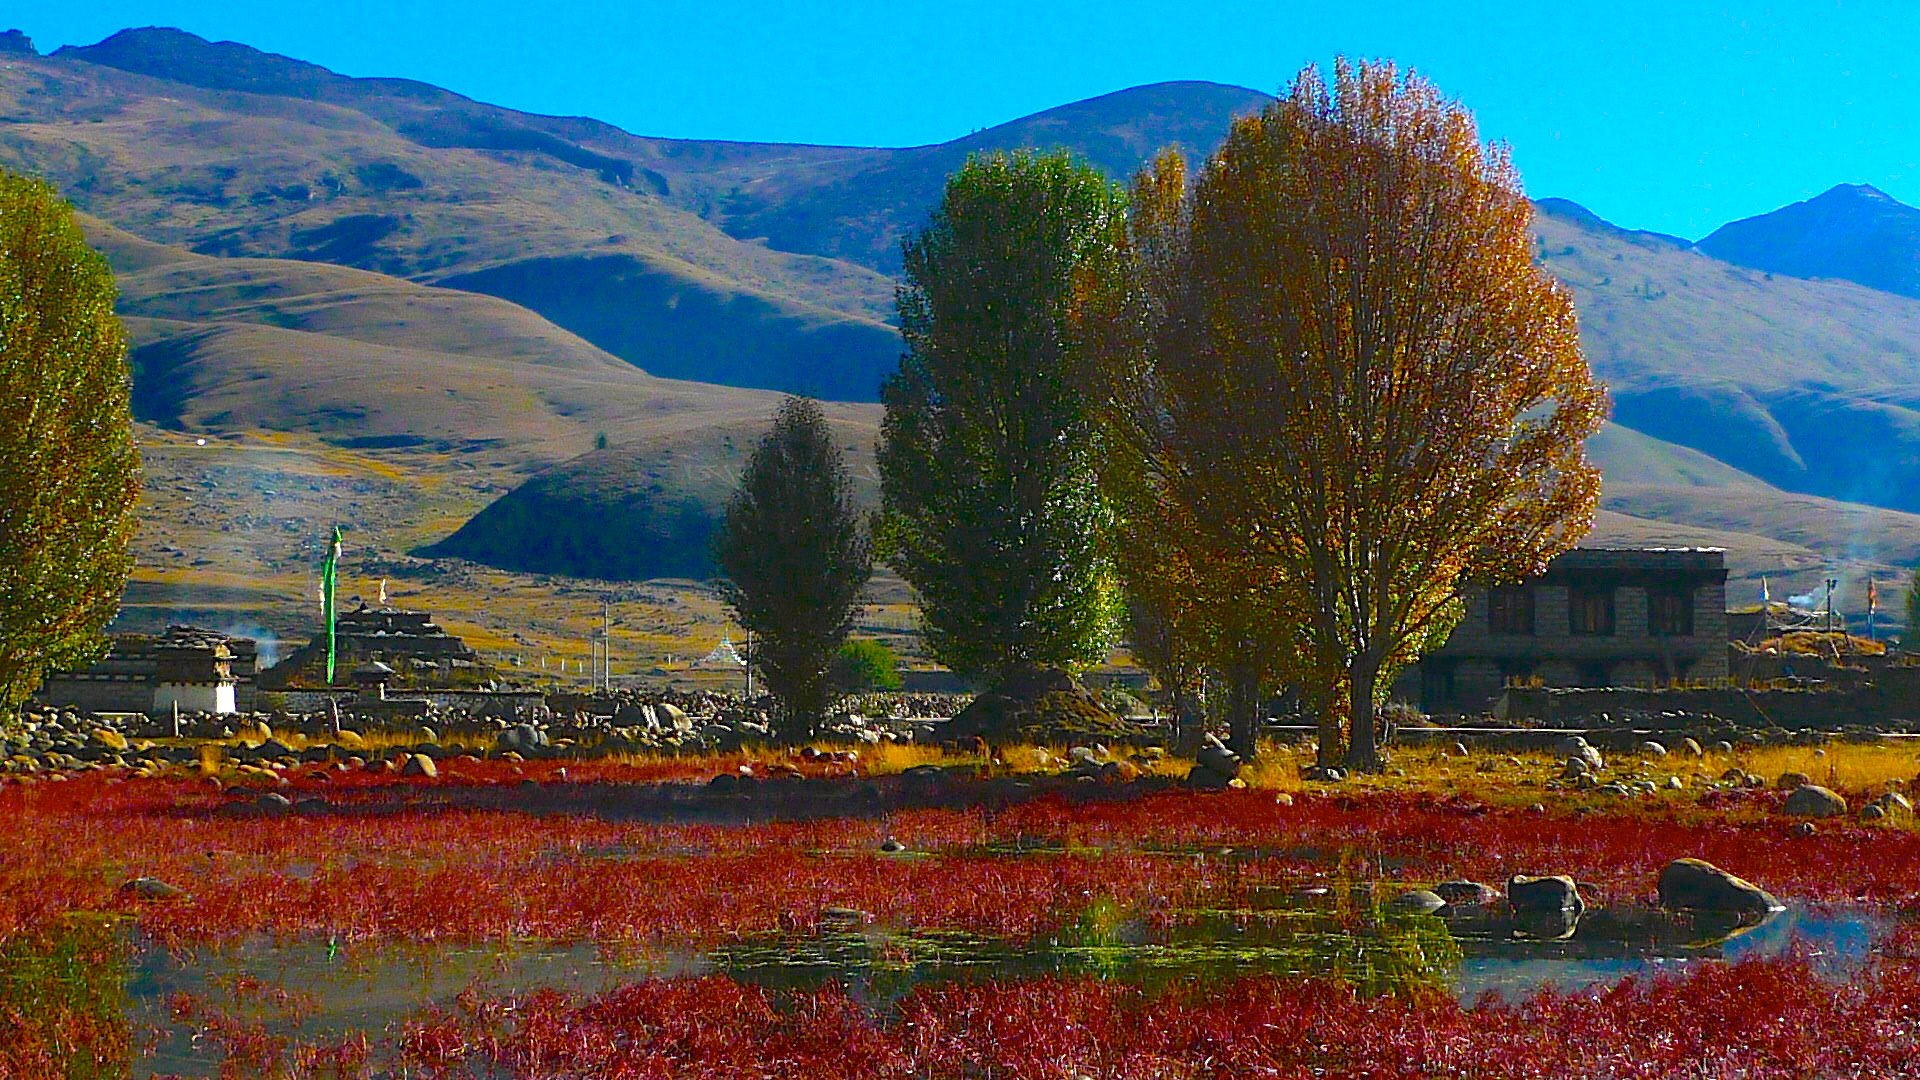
1911, 642
69, 470
991, 507
793, 549
1332, 350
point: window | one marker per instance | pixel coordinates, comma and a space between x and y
1670, 612
1590, 611
1510, 610
1437, 688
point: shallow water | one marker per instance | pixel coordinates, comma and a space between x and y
367, 987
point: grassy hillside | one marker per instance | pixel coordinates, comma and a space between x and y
283, 170
463, 299
1808, 385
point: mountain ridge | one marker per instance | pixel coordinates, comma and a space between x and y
403, 237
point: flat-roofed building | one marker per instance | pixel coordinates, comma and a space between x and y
1597, 617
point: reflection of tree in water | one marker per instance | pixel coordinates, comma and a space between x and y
63, 1002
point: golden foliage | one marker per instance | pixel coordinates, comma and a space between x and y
1330, 359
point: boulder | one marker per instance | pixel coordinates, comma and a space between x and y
1814, 801
420, 765
1692, 747
110, 739
1697, 885
151, 888
1652, 749
674, 717
1419, 901
1792, 781
273, 803
1466, 893
1551, 893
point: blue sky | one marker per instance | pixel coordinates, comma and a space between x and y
1674, 116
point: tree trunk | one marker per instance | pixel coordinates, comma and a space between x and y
1243, 707
1331, 749
1363, 744
1188, 723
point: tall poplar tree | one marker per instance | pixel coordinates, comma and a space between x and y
794, 551
991, 506
69, 470
1332, 357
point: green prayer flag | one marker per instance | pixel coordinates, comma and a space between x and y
329, 577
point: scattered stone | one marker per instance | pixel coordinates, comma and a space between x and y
890, 846
150, 888
273, 803
112, 740
1554, 893
1872, 812
1801, 830
1697, 885
1422, 901
1814, 801
1723, 747
1465, 893
420, 765
1652, 749
1214, 766
1692, 747
1676, 783
1791, 781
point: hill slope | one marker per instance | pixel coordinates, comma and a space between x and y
232, 152
472, 292
1852, 232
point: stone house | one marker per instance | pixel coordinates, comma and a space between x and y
198, 670
1597, 617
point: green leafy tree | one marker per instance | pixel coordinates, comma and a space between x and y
69, 470
991, 507
794, 551
865, 664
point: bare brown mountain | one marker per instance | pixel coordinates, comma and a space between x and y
379, 263
1852, 232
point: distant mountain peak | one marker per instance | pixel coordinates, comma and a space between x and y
1852, 232
16, 43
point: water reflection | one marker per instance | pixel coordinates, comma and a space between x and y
1342, 933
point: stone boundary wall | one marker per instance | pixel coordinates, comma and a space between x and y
1891, 700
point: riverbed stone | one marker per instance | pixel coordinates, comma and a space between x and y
1552, 892
152, 888
1421, 901
1814, 801
1698, 885
1464, 893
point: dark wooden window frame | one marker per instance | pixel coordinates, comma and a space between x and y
1592, 611
1510, 610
